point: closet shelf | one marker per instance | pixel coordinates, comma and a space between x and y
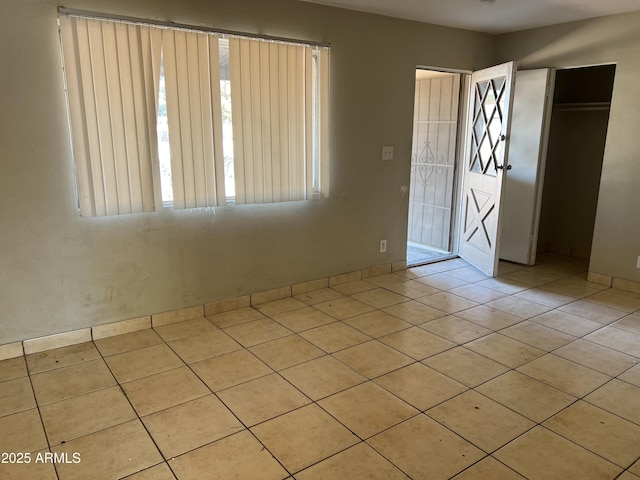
566, 107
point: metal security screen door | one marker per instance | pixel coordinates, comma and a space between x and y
485, 165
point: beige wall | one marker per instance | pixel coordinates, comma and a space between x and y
60, 272
615, 39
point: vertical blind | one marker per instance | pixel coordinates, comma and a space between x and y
279, 112
112, 72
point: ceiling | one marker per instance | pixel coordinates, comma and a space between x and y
497, 16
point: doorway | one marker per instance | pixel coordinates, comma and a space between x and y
579, 122
433, 161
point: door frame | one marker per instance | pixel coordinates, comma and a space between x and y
465, 83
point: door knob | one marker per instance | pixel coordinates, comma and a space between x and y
502, 167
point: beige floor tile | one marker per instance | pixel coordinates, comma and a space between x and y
635, 468
77, 416
468, 274
592, 311
599, 431
286, 352
257, 331
12, 368
504, 285
377, 323
239, 456
16, 396
303, 437
566, 322
477, 293
619, 299
143, 362
262, 399
530, 277
386, 279
37, 469
22, 432
505, 350
572, 287
489, 317
318, 296
488, 469
417, 343
367, 409
235, 317
343, 308
519, 307
207, 345
164, 390
564, 375
465, 366
412, 289
360, 462
420, 386
620, 398
322, 377
632, 375
447, 302
190, 425
480, 420
280, 306
373, 358
61, 357
623, 341
414, 312
597, 357
543, 455
230, 369
539, 336
127, 342
630, 323
628, 476
303, 319
442, 281
68, 382
545, 297
379, 298
158, 472
526, 396
188, 328
354, 287
335, 336
456, 329
112, 453
438, 455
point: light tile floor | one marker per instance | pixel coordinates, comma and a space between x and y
436, 372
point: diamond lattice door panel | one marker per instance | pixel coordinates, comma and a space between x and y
486, 164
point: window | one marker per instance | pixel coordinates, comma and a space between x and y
171, 117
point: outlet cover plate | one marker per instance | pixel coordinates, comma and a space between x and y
387, 152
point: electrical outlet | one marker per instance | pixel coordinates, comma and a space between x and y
383, 246
387, 152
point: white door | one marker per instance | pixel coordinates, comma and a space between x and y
532, 103
485, 165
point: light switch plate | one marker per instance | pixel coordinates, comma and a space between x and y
387, 152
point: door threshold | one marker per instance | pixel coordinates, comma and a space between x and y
433, 260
